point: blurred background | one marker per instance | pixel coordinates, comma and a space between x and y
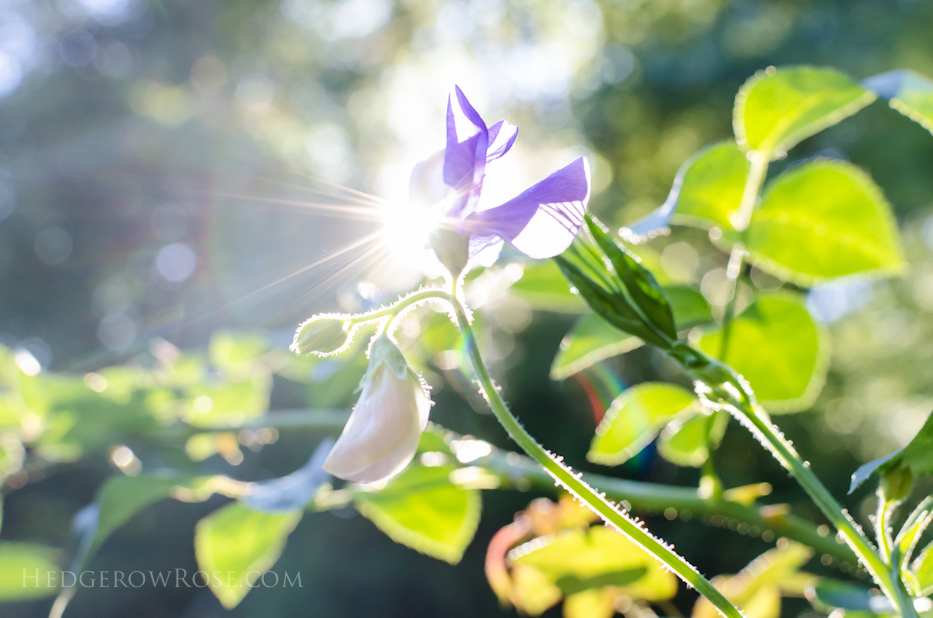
173, 169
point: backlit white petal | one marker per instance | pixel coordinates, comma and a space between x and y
382, 434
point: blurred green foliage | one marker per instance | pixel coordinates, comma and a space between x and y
158, 166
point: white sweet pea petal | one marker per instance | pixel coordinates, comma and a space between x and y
381, 437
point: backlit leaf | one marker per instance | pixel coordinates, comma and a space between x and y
642, 287
293, 491
122, 497
709, 188
634, 419
237, 352
758, 588
690, 306
591, 340
241, 544
544, 288
27, 571
917, 457
686, 440
923, 570
908, 92
829, 594
228, 403
821, 221
592, 603
776, 109
424, 510
778, 348
588, 554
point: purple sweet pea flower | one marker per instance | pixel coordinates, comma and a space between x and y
541, 222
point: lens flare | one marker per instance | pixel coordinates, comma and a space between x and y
406, 229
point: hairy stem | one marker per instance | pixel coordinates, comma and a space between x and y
758, 422
512, 468
402, 304
577, 487
783, 451
883, 526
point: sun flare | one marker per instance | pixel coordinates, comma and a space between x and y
406, 230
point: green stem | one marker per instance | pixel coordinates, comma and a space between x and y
756, 420
756, 175
656, 498
577, 487
883, 526
403, 303
904, 600
512, 468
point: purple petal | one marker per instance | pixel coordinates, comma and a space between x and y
501, 137
542, 221
465, 155
426, 186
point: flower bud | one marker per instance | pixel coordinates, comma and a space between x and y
452, 250
322, 335
381, 436
896, 483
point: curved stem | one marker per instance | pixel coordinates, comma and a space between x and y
512, 468
757, 421
402, 304
883, 527
577, 487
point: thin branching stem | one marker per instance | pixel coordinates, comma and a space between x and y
574, 484
511, 469
758, 422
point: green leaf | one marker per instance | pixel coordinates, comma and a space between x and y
642, 287
634, 419
27, 572
917, 522
923, 571
821, 221
757, 589
908, 92
544, 288
686, 440
241, 544
778, 348
829, 594
592, 603
572, 583
611, 306
228, 403
776, 109
237, 352
689, 305
587, 555
121, 497
423, 509
293, 491
708, 189
917, 457
591, 340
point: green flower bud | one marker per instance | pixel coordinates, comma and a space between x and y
896, 484
322, 335
452, 250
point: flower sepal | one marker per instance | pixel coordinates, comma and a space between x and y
452, 251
